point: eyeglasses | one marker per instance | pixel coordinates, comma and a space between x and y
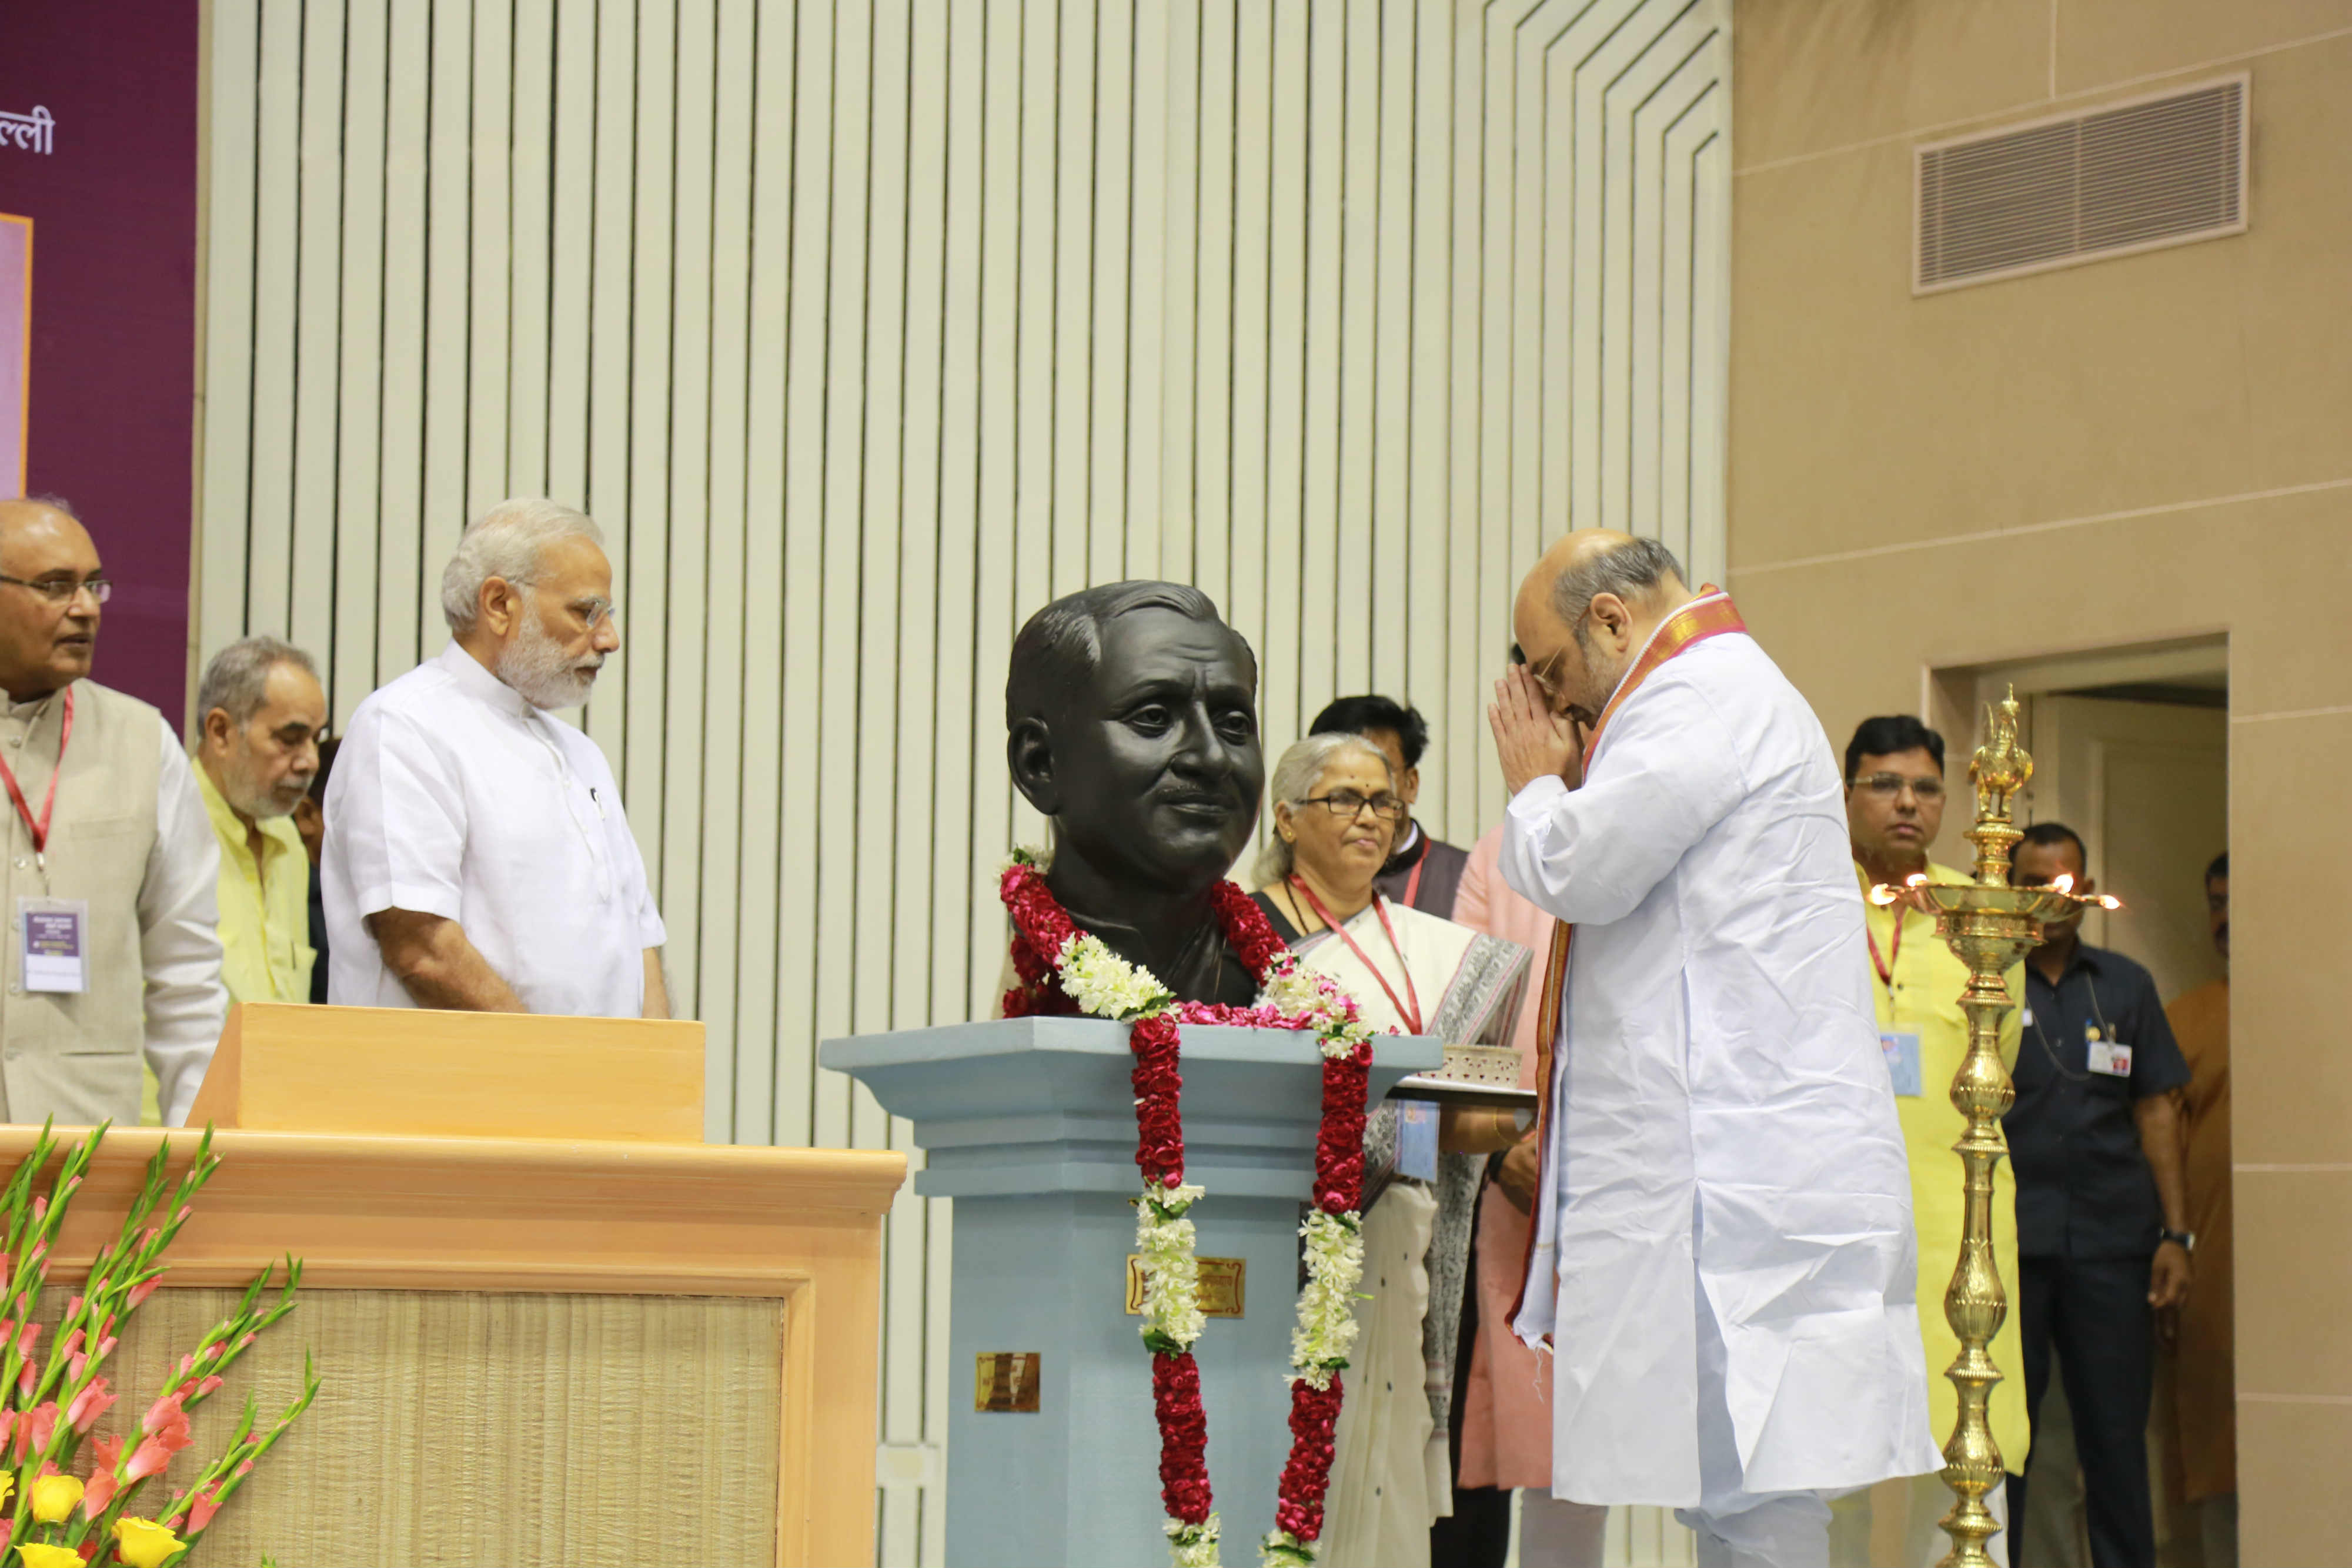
62, 590
1887, 786
1348, 803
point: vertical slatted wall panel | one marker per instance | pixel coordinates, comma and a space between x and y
864, 326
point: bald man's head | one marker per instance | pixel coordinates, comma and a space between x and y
1585, 606
48, 614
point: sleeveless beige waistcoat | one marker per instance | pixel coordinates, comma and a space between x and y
76, 1056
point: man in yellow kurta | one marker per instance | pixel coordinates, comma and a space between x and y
256, 755
257, 751
1894, 804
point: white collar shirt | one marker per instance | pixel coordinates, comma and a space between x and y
453, 796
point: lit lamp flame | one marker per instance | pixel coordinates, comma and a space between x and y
2109, 901
1881, 895
1917, 879
2065, 883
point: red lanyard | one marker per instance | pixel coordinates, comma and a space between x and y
1413, 885
40, 830
1885, 966
1408, 1011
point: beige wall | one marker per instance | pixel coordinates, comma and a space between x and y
2150, 447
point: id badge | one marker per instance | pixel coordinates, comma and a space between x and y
51, 932
2111, 1057
1903, 1063
1417, 1139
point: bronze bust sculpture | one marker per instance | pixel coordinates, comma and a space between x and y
1132, 716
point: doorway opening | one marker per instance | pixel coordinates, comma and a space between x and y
2130, 749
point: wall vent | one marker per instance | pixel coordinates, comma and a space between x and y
2132, 176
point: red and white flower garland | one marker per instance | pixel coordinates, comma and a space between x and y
1063, 970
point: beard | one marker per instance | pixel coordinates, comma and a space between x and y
262, 801
1600, 684
536, 666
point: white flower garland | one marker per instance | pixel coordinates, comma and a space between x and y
1106, 985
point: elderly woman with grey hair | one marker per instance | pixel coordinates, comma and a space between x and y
1336, 812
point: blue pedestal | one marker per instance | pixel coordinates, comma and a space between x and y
1029, 1124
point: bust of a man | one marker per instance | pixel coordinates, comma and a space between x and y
1132, 713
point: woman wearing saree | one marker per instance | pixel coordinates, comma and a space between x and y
1335, 813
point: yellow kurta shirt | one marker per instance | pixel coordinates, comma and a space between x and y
265, 909
1925, 1001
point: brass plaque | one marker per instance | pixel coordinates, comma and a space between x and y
1005, 1381
1222, 1279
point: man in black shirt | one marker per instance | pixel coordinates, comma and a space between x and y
2102, 1201
1422, 873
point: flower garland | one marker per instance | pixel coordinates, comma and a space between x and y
1064, 969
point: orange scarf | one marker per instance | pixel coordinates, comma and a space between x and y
1709, 615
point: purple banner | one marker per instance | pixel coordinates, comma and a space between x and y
98, 290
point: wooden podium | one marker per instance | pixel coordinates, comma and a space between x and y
553, 1326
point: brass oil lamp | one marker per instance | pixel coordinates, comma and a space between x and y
1990, 925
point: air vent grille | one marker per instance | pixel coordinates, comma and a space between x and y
2157, 171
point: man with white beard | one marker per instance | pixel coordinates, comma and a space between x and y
477, 856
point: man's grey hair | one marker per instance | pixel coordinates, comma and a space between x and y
1295, 778
54, 503
507, 542
1634, 570
237, 680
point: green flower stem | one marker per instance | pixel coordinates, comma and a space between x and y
230, 1464
133, 1259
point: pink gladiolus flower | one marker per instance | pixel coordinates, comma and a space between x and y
208, 1387
187, 1364
245, 1468
25, 1383
34, 1430
27, 1337
81, 1366
201, 1511
98, 1492
89, 1405
106, 1346
73, 1306
164, 1413
72, 1343
141, 1292
247, 1343
40, 1209
147, 1237
152, 1456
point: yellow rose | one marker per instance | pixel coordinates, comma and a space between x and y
55, 1496
140, 1542
38, 1554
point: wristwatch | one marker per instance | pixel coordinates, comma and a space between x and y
2185, 1239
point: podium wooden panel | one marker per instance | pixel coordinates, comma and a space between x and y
285, 1067
506, 1221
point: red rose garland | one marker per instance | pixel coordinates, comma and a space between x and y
1044, 938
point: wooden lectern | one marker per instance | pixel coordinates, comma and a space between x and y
553, 1326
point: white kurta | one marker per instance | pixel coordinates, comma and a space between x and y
453, 796
1718, 1064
